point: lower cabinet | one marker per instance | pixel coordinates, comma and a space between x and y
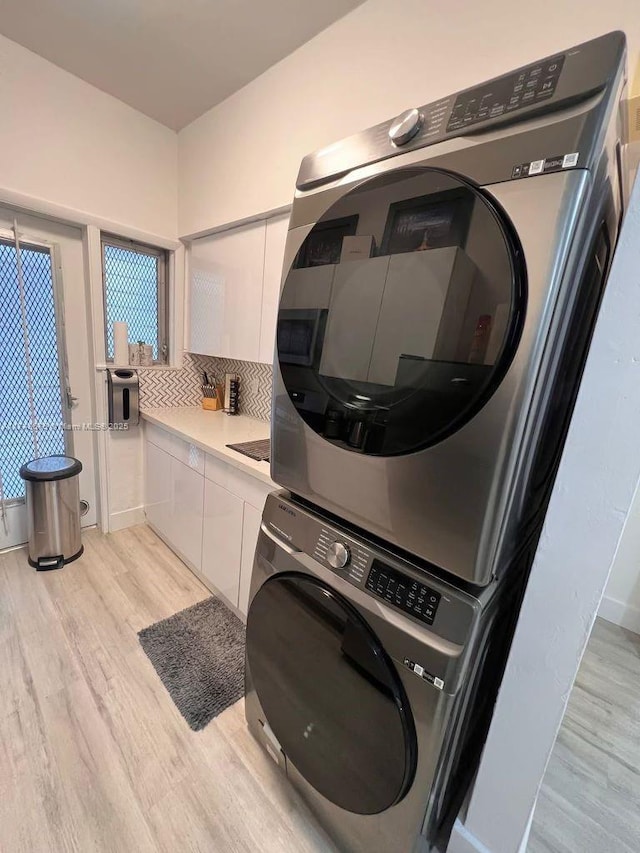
222, 539
157, 489
173, 502
250, 531
187, 491
206, 510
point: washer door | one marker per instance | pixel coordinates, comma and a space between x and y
330, 693
401, 312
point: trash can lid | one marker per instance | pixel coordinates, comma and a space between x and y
50, 468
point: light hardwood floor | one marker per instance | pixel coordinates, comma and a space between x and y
94, 755
590, 796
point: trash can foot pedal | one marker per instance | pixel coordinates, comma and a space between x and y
45, 564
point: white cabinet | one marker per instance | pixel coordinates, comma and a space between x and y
222, 540
226, 272
309, 287
187, 493
250, 531
174, 492
354, 309
206, 510
382, 309
235, 286
157, 488
424, 304
275, 239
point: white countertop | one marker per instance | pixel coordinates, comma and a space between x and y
212, 431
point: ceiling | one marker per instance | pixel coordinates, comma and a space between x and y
170, 60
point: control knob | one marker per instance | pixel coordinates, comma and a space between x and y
338, 555
405, 126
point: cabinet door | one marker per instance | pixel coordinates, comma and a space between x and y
422, 310
222, 540
250, 531
354, 309
226, 272
275, 239
157, 489
187, 490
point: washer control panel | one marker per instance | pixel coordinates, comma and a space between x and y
409, 595
343, 555
338, 555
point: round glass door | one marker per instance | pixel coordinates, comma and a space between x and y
330, 694
401, 312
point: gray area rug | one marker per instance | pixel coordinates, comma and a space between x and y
199, 655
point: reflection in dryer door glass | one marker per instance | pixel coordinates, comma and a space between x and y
408, 328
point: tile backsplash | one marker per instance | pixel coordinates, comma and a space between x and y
182, 387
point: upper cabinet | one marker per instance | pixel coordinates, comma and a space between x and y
276, 237
235, 285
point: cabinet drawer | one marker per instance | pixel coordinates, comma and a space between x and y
160, 437
245, 486
187, 453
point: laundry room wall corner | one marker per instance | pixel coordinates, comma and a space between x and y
580, 537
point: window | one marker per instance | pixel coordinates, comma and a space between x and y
135, 293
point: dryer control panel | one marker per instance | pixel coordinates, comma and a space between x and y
530, 85
555, 82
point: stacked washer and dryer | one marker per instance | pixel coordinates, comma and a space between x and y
443, 275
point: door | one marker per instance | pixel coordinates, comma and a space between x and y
330, 693
45, 374
222, 540
424, 311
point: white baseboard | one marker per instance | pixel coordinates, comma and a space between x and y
126, 518
620, 613
462, 841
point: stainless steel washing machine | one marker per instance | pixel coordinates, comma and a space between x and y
443, 274
369, 681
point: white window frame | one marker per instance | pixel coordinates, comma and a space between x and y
162, 256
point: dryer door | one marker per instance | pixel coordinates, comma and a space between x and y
331, 695
401, 312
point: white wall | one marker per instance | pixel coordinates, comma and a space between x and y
74, 153
621, 603
241, 158
65, 144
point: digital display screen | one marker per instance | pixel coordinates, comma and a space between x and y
409, 595
532, 85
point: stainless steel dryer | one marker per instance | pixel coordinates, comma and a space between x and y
443, 275
368, 681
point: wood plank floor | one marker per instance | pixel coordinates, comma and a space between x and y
590, 796
94, 755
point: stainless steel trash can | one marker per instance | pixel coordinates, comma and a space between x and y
53, 510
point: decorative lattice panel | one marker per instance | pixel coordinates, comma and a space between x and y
20, 438
131, 295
